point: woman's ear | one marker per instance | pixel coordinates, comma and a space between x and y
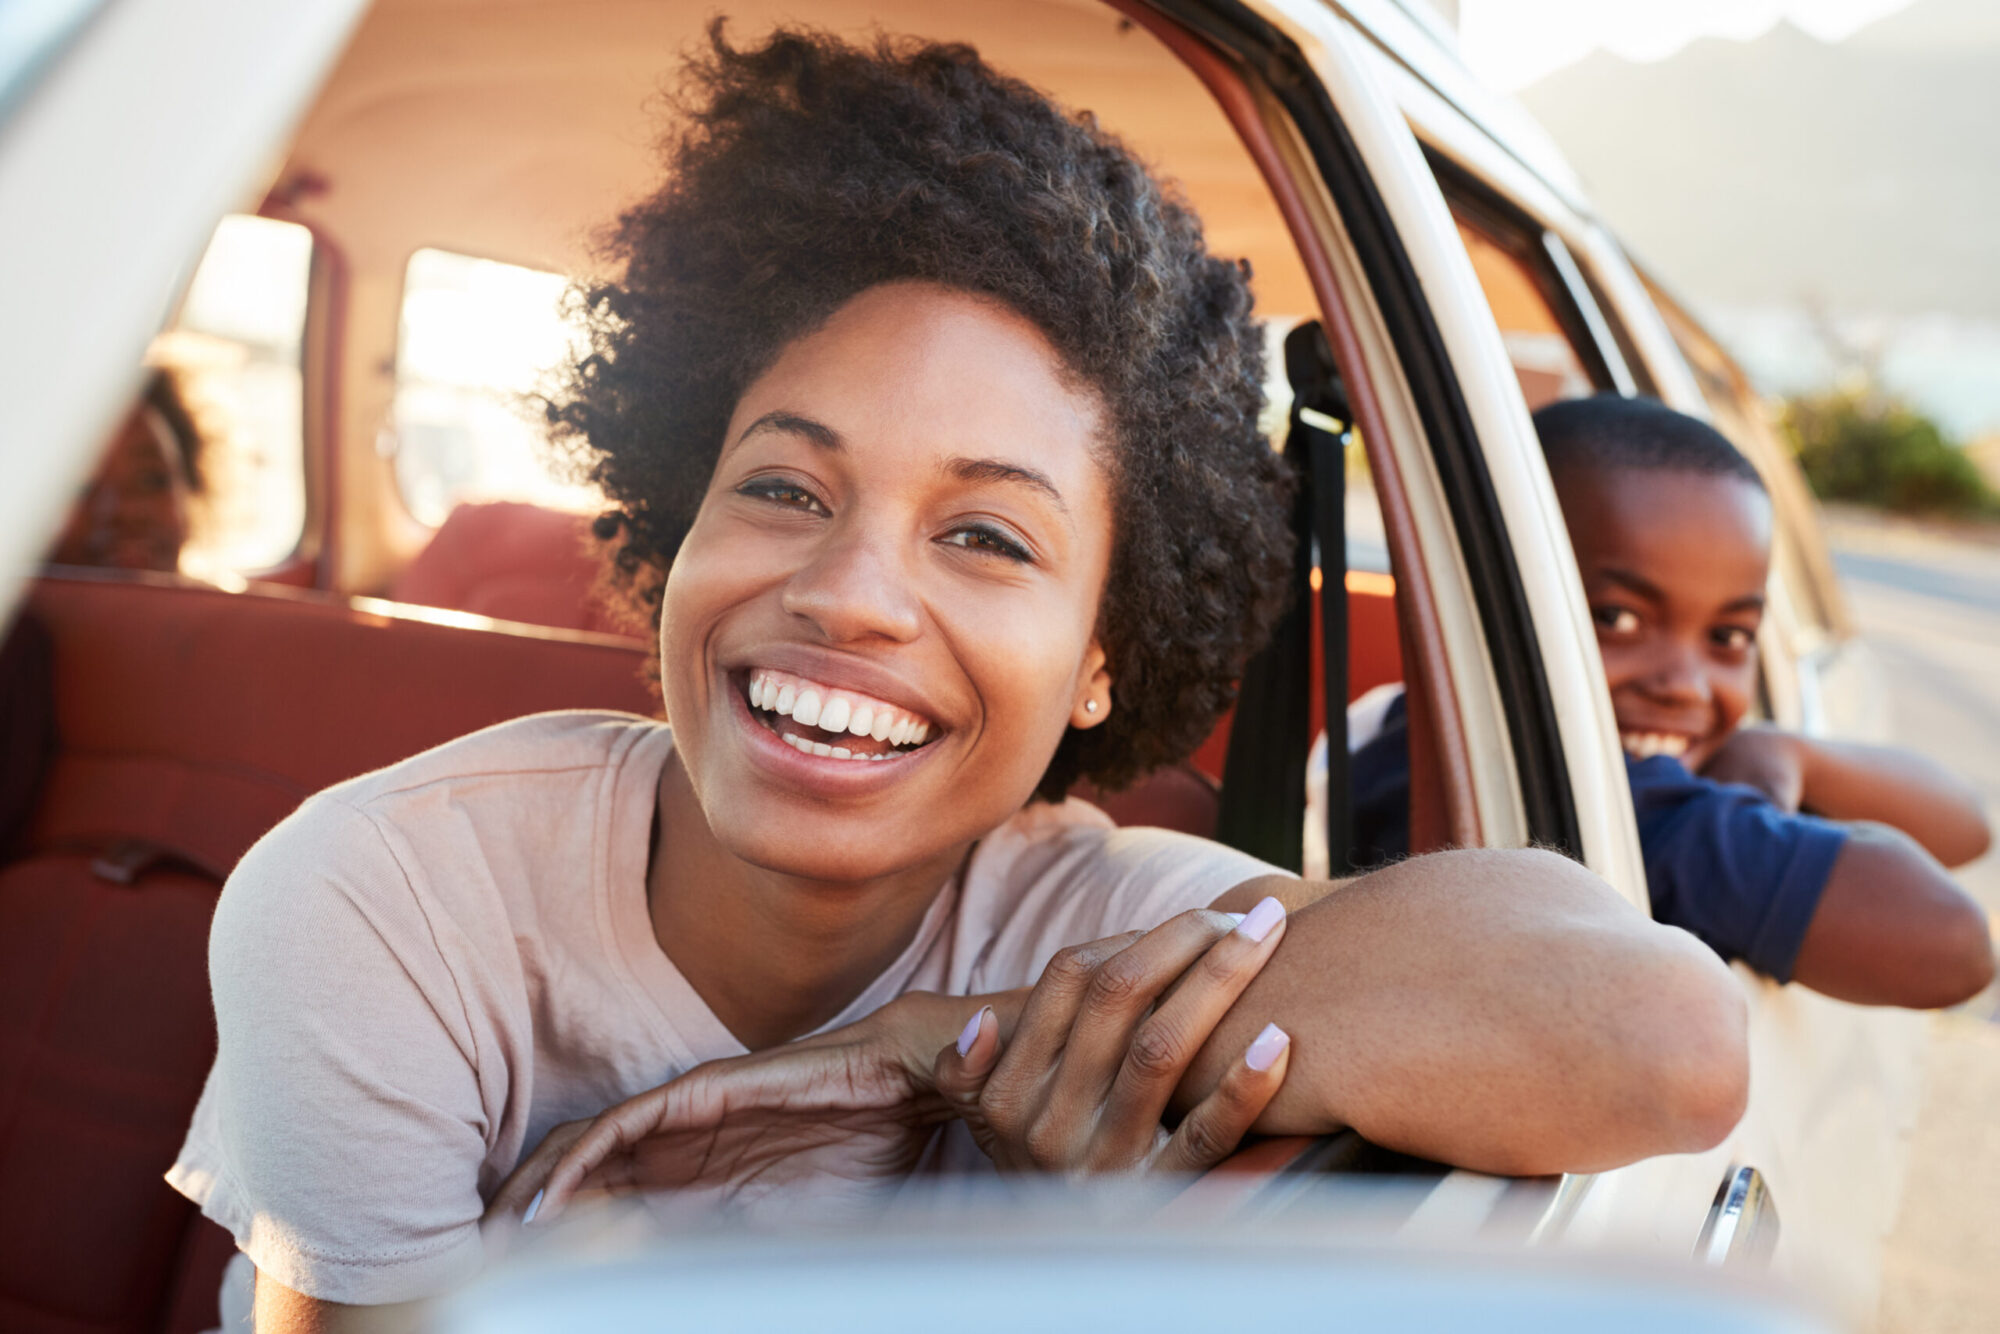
1093, 693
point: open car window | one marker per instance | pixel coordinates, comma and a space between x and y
235, 350
475, 341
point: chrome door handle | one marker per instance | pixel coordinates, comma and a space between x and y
1742, 1224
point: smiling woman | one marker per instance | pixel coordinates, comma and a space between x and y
932, 431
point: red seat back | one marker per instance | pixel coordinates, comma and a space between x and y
191, 719
513, 562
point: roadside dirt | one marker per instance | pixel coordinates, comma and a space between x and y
1929, 603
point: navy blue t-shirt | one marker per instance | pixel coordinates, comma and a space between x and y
1722, 861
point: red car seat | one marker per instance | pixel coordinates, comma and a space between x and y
189, 721
513, 562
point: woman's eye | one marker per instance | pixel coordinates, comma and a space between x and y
978, 537
780, 492
1618, 620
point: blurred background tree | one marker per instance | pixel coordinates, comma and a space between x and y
1859, 444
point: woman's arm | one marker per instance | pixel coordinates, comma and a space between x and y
1502, 1011
280, 1310
1893, 928
1845, 781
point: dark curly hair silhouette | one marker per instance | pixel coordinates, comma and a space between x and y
803, 171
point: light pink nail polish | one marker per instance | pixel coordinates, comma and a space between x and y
1261, 919
970, 1034
1269, 1045
534, 1207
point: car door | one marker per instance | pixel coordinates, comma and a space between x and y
1832, 1084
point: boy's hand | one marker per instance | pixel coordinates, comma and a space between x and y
1772, 761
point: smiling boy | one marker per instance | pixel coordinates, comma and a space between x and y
1812, 860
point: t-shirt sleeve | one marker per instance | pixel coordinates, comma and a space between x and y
1073, 877
1726, 864
340, 1135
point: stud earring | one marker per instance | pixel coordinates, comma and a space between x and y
1090, 706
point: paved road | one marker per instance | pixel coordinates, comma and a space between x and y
1930, 607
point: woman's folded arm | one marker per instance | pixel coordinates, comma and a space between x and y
1503, 1011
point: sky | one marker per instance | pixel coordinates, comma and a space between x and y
1512, 43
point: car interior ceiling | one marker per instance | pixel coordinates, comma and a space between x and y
188, 719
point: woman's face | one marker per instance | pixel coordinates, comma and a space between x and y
883, 619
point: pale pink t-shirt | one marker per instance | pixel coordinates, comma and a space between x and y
423, 970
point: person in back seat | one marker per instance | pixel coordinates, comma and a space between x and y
1808, 859
932, 427
133, 512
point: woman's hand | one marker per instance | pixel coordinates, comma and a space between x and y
1106, 1039
854, 1107
1091, 1069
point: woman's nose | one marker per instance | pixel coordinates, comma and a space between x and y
856, 587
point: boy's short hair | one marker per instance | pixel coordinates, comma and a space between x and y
1643, 434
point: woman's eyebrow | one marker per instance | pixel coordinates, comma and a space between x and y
1749, 602
999, 470
791, 423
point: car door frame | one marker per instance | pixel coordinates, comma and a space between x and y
1816, 1063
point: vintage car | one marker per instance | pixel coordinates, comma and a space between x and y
349, 223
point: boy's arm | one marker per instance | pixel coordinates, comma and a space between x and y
1845, 781
1503, 1011
1893, 928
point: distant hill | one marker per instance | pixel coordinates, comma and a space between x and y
1863, 175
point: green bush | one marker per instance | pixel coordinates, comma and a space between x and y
1859, 446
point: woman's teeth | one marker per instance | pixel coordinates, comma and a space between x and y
1645, 745
838, 712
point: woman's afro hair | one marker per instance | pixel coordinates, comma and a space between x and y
803, 171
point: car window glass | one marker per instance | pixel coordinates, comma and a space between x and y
1642, 376
234, 349
1544, 356
477, 338
1797, 561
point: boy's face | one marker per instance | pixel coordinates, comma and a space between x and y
1673, 566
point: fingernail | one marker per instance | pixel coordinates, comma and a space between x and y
1258, 923
1270, 1045
1235, 918
535, 1204
970, 1034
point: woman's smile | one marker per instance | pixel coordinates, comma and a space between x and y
798, 726
825, 720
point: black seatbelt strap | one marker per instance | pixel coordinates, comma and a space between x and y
1321, 427
1264, 777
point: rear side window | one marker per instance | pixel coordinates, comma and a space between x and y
1545, 359
234, 348
477, 339
1799, 557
